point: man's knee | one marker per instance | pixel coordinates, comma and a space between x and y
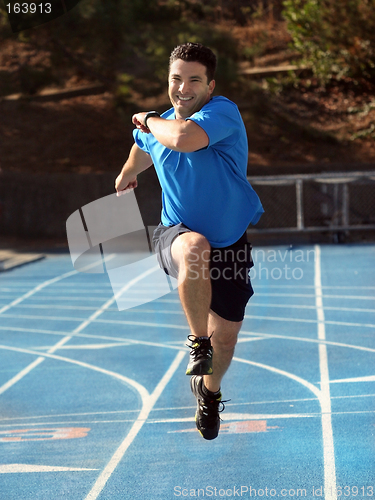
195, 247
224, 341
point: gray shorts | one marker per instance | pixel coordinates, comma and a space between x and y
229, 270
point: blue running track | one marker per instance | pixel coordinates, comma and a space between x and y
95, 403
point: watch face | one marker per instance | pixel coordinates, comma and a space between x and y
23, 15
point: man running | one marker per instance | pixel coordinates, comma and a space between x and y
199, 150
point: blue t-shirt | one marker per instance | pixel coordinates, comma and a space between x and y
207, 190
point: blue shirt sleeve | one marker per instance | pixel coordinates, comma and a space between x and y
140, 139
221, 121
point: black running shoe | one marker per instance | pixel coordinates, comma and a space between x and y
207, 417
200, 362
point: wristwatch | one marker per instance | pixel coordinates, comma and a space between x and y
149, 114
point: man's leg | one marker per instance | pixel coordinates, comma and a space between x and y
191, 255
206, 389
223, 342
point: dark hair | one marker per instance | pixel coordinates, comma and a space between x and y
195, 52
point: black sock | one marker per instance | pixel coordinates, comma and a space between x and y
208, 393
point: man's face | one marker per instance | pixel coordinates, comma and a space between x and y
188, 87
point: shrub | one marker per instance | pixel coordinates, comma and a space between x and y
335, 38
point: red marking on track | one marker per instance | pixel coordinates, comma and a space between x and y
244, 427
240, 427
54, 433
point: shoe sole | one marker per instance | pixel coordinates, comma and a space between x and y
200, 369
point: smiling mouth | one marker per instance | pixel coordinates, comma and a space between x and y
184, 98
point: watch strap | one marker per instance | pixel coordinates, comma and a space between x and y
149, 115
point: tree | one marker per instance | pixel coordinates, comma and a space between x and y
126, 42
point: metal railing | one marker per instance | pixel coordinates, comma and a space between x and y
316, 202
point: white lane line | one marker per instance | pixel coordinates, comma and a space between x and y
15, 286
300, 320
70, 295
370, 378
250, 339
66, 415
138, 424
165, 325
94, 320
103, 337
296, 378
109, 302
69, 298
359, 297
85, 347
325, 287
314, 341
60, 307
169, 345
253, 416
35, 290
83, 325
138, 387
168, 311
238, 417
180, 312
148, 401
22, 468
20, 375
325, 400
105, 306
39, 360
49, 282
85, 287
173, 409
232, 416
296, 306
68, 337
138, 310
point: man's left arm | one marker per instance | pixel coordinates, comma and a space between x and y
184, 136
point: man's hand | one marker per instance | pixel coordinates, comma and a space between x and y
139, 121
137, 162
123, 184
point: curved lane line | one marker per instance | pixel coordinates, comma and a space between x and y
101, 337
83, 324
296, 378
148, 402
138, 387
138, 424
25, 296
298, 320
314, 341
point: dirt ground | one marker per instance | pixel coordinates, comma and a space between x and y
295, 130
304, 129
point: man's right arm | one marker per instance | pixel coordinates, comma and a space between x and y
137, 162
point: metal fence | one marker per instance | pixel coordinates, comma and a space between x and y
316, 202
